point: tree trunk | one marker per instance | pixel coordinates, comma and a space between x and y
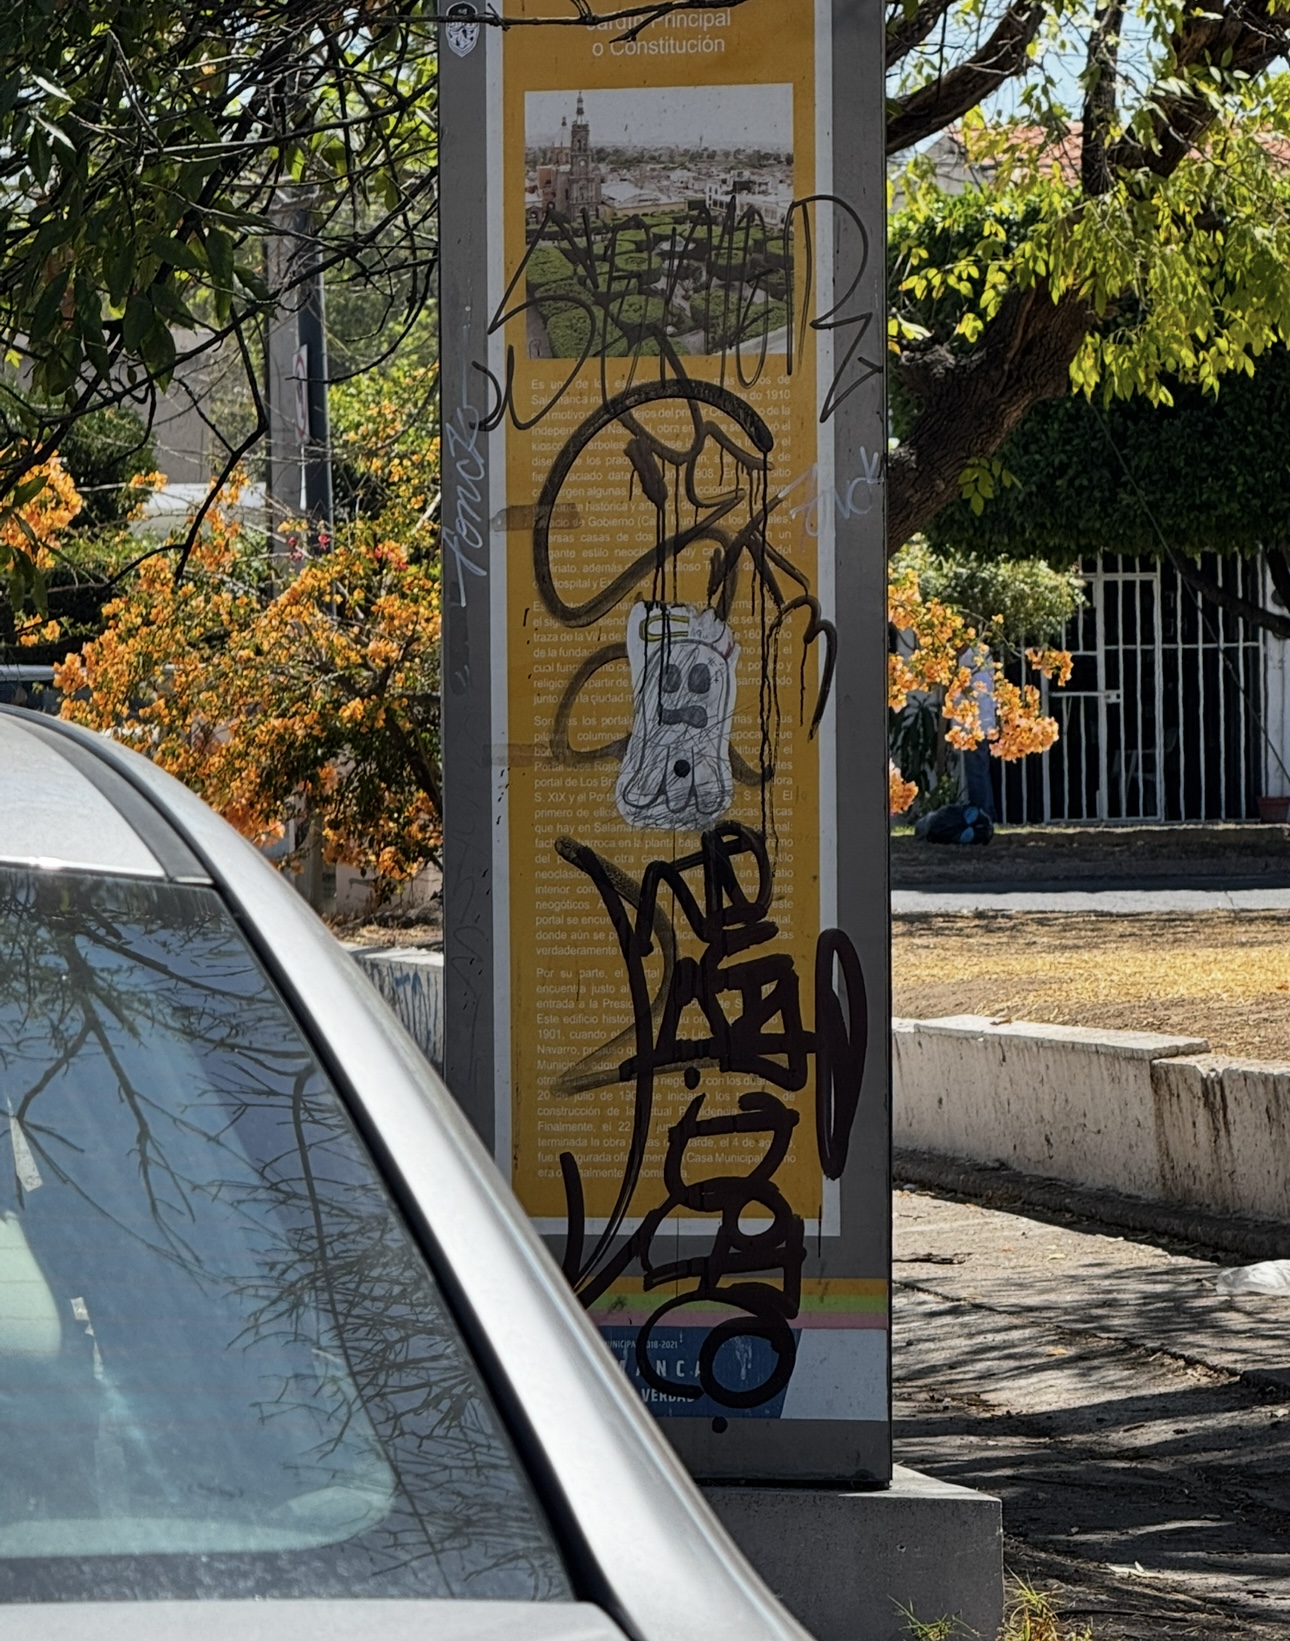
1254, 615
310, 879
970, 403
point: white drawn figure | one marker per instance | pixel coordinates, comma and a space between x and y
675, 774
461, 31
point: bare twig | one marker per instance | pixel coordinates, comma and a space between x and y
930, 108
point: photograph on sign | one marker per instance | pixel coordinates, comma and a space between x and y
687, 196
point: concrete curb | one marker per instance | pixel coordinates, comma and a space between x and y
411, 982
1134, 1130
1148, 1133
1107, 901
1132, 1114
999, 1187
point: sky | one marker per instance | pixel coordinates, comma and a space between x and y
712, 116
1064, 60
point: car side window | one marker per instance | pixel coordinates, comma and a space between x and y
225, 1367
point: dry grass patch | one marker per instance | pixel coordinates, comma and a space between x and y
1028, 1615
1224, 976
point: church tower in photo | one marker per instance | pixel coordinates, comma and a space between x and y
570, 180
584, 178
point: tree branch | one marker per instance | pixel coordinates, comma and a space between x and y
971, 400
1233, 603
424, 765
1100, 99
1245, 37
215, 493
947, 98
971, 403
907, 30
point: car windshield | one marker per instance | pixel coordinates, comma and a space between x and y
225, 1368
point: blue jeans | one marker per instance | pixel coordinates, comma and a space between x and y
976, 773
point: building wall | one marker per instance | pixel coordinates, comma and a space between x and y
1276, 721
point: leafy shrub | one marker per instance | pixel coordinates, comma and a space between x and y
571, 331
632, 312
772, 317
1023, 601
103, 452
730, 270
727, 316
547, 267
636, 262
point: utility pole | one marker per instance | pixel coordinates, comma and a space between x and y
298, 465
299, 483
311, 330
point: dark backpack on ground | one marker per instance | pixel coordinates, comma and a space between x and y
956, 823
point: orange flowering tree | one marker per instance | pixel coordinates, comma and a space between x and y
68, 541
281, 686
954, 659
31, 526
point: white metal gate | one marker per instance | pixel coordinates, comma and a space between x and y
1109, 714
1161, 719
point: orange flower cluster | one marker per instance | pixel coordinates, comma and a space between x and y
1023, 728
269, 699
901, 792
1054, 664
35, 526
940, 641
31, 531
285, 687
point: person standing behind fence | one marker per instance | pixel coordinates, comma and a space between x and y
976, 760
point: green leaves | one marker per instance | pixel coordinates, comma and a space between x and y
980, 480
1152, 215
1197, 473
139, 319
148, 160
1012, 603
1187, 275
24, 492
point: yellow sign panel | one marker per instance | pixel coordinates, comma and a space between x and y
685, 1025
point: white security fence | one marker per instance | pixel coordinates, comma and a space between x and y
1164, 717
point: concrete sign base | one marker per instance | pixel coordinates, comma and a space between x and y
851, 1566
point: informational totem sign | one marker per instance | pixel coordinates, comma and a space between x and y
665, 698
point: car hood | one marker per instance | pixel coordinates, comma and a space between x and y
306, 1621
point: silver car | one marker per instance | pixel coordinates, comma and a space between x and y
279, 1355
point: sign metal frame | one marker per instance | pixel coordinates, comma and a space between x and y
832, 1423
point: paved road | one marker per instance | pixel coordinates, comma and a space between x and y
930, 902
1136, 1425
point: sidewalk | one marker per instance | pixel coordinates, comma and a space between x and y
974, 899
1136, 1426
1183, 868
